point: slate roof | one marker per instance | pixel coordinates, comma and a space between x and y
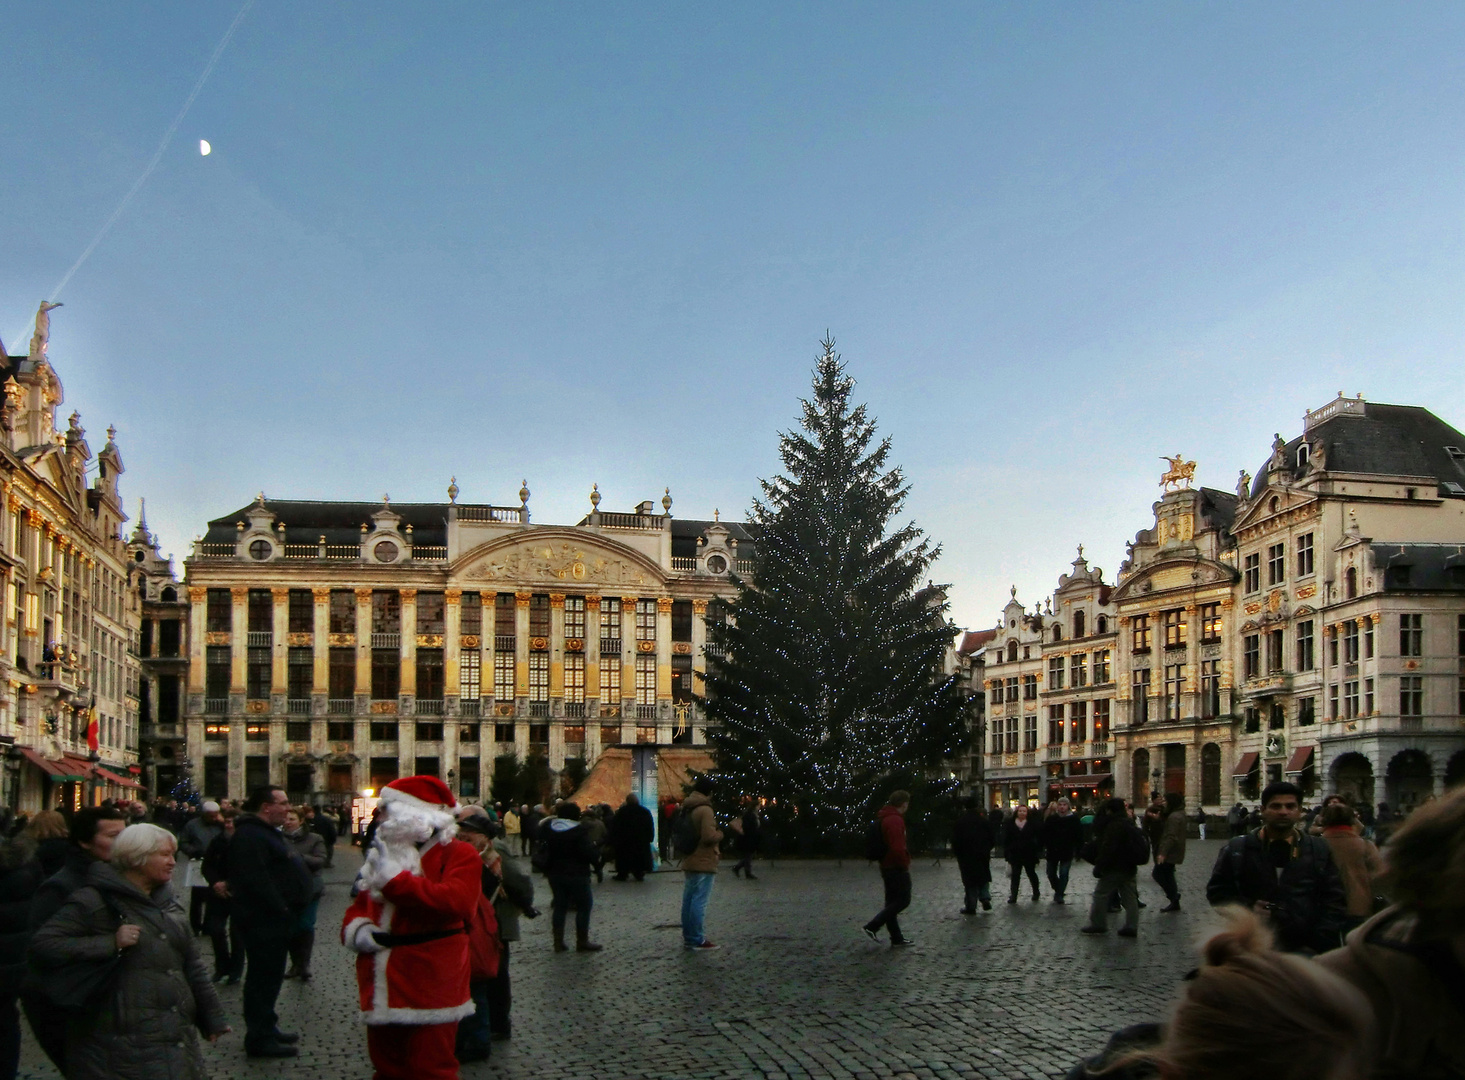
1387, 440
1421, 567
972, 640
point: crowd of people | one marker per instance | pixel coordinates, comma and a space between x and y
104, 960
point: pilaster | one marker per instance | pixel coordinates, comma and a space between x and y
452, 646
409, 642
239, 640
363, 649
197, 621
320, 676
556, 655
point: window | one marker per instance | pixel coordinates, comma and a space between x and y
257, 731
469, 675
468, 733
996, 691
1012, 652
575, 618
505, 619
1078, 722
1276, 564
383, 731
1078, 670
503, 733
1253, 720
470, 617
1350, 699
1411, 695
342, 673
539, 615
1277, 717
219, 615
1210, 623
1333, 702
1411, 635
217, 669
539, 677
429, 731
1101, 720
257, 674
1055, 725
1304, 646
386, 674
386, 612
261, 610
1141, 689
610, 626
1101, 624
297, 731
170, 637
575, 679
1210, 689
1368, 640
681, 620
1251, 664
260, 550
1460, 706
1142, 632
997, 730
300, 673
1078, 624
1012, 689
1350, 583
430, 675
503, 677
1333, 646
343, 611
1057, 632
610, 681
1101, 667
539, 734
468, 770
1274, 651
1368, 697
1304, 555
1055, 673
301, 619
645, 620
1030, 688
645, 679
1174, 621
1030, 732
1306, 712
431, 618
1011, 742
340, 730
1251, 574
215, 732
1174, 687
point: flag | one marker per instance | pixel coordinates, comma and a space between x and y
93, 740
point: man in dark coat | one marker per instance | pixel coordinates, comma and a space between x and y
1062, 837
631, 832
972, 838
1120, 848
1284, 875
91, 833
269, 887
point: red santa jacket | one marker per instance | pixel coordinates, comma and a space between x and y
422, 981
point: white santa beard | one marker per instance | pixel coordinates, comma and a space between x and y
404, 830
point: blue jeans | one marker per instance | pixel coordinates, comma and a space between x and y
1058, 875
696, 888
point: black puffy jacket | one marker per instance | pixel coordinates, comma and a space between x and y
570, 849
1309, 907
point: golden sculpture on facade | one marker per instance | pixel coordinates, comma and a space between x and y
1180, 473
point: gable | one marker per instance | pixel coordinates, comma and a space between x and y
557, 557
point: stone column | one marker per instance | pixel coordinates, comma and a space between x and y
320, 657
239, 643
521, 673
363, 649
556, 654
409, 643
452, 646
488, 602
197, 624
279, 648
592, 662
663, 669
629, 647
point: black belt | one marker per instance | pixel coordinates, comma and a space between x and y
392, 941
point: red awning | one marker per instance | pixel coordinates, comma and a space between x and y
77, 764
1301, 758
1247, 765
60, 771
109, 775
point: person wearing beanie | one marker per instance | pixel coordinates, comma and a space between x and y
408, 925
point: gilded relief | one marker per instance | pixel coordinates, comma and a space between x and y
555, 562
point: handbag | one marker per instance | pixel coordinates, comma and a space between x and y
79, 985
484, 946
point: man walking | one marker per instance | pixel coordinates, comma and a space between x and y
193, 842
1284, 875
972, 838
895, 870
1062, 836
699, 866
1170, 851
1120, 848
268, 887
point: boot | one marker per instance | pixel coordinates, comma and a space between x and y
584, 944
307, 947
559, 940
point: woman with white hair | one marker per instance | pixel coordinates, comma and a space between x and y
121, 954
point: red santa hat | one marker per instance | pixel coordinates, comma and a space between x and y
420, 792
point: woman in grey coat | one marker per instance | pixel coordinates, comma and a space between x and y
145, 1023
311, 847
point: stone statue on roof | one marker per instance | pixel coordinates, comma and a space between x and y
1243, 485
41, 339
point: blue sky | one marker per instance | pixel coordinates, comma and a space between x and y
582, 243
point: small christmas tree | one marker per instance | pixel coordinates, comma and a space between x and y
829, 681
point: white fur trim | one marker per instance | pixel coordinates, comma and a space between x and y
451, 1014
391, 795
361, 940
349, 931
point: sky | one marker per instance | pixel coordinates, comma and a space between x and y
585, 243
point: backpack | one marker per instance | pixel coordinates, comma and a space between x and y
1136, 847
686, 834
875, 846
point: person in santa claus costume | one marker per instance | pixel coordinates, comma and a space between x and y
417, 889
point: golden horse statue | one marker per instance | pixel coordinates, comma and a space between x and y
1180, 473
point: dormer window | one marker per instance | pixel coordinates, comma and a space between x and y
385, 552
260, 550
716, 564
138, 556
1304, 453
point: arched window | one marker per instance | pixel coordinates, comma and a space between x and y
1274, 504
1350, 583
1057, 632
1078, 624
1012, 652
1210, 775
1101, 624
170, 595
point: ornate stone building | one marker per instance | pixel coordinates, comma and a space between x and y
163, 658
334, 646
67, 642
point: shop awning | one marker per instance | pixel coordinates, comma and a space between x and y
111, 777
1094, 781
1301, 758
1247, 765
59, 771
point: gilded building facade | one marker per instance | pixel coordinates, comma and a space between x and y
68, 670
334, 646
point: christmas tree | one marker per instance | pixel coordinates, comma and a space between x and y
828, 683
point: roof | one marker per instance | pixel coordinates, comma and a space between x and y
972, 640
1218, 507
1380, 440
1421, 567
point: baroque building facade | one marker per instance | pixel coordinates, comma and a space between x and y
1309, 626
68, 670
335, 646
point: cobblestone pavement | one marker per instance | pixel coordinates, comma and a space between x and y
796, 990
